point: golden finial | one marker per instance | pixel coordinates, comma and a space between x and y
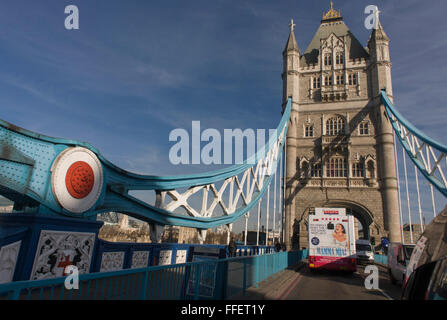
332, 14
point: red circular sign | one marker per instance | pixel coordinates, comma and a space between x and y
80, 180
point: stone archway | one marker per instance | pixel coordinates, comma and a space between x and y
360, 212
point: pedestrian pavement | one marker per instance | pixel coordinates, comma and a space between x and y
274, 287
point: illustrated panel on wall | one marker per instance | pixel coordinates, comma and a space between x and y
58, 249
8, 261
140, 259
165, 257
112, 261
180, 257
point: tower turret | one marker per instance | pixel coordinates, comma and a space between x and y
380, 75
380, 63
291, 85
291, 58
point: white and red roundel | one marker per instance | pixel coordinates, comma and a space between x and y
77, 179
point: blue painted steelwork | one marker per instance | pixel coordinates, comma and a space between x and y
26, 159
409, 136
159, 282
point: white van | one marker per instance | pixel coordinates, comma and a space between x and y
364, 251
398, 259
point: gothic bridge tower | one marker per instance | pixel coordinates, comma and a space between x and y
340, 149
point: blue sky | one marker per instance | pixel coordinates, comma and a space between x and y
138, 69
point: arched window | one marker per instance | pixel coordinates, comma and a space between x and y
328, 59
358, 170
304, 169
370, 170
335, 126
336, 168
340, 58
364, 128
340, 79
328, 80
353, 80
317, 82
316, 171
308, 131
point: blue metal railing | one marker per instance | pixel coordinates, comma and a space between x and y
210, 279
381, 259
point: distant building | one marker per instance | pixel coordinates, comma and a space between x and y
121, 228
6, 209
6, 206
273, 236
175, 234
171, 234
187, 235
109, 218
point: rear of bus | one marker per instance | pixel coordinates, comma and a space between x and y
332, 241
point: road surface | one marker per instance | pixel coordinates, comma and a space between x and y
327, 285
303, 284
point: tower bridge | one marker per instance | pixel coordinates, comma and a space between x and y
336, 146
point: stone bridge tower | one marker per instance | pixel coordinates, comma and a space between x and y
340, 149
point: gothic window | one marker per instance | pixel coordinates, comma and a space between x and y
328, 59
309, 131
316, 171
336, 168
370, 170
364, 128
339, 58
353, 79
304, 169
317, 82
358, 170
335, 126
328, 80
340, 79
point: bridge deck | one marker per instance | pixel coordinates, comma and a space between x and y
299, 283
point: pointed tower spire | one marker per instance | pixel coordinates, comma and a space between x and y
379, 51
291, 42
378, 33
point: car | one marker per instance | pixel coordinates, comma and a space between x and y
426, 273
364, 251
399, 255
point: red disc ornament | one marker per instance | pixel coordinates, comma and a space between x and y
80, 180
